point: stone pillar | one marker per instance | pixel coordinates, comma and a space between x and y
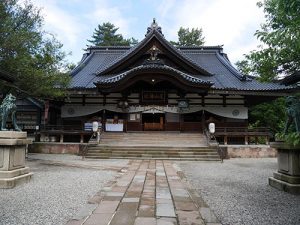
12, 159
287, 178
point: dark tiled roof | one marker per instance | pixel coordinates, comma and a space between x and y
84, 74
132, 51
213, 65
225, 75
291, 79
118, 77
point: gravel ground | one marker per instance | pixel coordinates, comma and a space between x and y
238, 192
55, 195
78, 160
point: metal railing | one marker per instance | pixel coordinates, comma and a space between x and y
211, 137
85, 149
96, 135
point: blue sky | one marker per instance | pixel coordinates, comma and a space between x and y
231, 23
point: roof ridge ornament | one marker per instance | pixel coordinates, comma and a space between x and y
154, 26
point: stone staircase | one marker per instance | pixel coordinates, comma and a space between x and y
155, 145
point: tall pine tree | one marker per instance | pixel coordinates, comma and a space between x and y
106, 35
187, 37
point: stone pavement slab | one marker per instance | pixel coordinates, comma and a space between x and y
149, 192
145, 221
99, 219
107, 207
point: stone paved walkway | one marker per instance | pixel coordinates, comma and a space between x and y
150, 192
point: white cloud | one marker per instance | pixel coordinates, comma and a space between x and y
73, 28
103, 12
228, 22
164, 7
62, 24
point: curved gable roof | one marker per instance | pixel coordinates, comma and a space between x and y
154, 34
204, 65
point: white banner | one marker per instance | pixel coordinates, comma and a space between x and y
237, 112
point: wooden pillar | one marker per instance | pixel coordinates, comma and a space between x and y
103, 119
180, 122
61, 139
83, 100
203, 121
267, 140
224, 100
202, 100
104, 99
256, 140
246, 140
225, 139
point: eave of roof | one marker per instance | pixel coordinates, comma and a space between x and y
187, 77
291, 79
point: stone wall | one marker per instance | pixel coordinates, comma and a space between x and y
250, 151
55, 148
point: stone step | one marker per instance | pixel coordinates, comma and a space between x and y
158, 158
152, 152
152, 157
157, 145
150, 147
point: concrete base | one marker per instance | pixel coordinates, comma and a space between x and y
12, 159
284, 186
288, 176
10, 179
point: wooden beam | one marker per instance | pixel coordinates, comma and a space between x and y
104, 99
224, 100
83, 100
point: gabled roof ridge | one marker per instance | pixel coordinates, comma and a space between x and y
202, 47
230, 67
159, 36
130, 51
109, 47
291, 79
79, 66
182, 55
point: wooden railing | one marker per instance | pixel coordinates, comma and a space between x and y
244, 132
61, 127
59, 131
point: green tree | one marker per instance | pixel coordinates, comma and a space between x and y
280, 35
189, 38
278, 55
269, 114
106, 35
28, 53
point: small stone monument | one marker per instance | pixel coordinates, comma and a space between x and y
287, 178
12, 148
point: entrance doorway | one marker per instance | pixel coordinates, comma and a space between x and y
153, 121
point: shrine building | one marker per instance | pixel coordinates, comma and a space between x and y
154, 86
